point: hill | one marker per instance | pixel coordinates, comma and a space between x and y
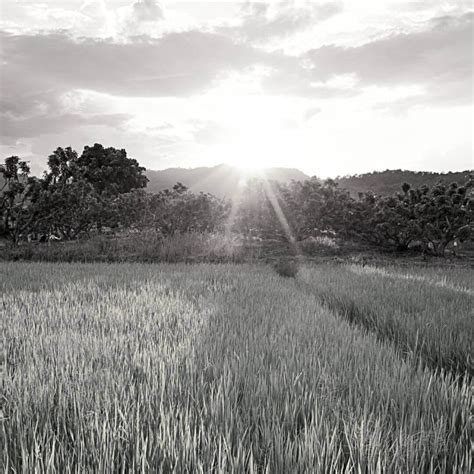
221, 180
390, 181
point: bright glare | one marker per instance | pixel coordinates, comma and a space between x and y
255, 146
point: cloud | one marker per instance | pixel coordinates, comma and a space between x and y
40, 69
14, 128
439, 57
95, 19
147, 10
210, 132
144, 17
263, 21
311, 112
176, 64
295, 80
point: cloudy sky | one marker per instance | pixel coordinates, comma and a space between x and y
330, 87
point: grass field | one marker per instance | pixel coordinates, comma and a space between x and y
231, 368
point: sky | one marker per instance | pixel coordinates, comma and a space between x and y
330, 87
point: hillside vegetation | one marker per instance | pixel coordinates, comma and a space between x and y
223, 180
390, 181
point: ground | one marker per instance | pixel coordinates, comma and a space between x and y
231, 368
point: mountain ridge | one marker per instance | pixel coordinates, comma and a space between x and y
221, 180
224, 180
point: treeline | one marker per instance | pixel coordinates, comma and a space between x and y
427, 219
102, 190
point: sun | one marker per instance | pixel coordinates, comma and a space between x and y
256, 132
255, 151
246, 163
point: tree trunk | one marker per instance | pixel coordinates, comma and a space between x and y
441, 248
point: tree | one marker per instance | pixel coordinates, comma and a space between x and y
80, 192
71, 210
179, 210
434, 217
18, 191
320, 207
110, 171
445, 214
292, 212
128, 210
395, 222
63, 168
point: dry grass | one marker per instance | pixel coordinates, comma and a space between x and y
162, 368
143, 247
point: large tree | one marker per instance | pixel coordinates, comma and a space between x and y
79, 192
110, 171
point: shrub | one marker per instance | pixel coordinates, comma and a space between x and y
317, 245
286, 268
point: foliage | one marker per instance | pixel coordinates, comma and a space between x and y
110, 171
19, 191
292, 212
71, 210
386, 183
322, 244
178, 211
76, 194
127, 210
321, 207
444, 214
260, 213
435, 217
103, 189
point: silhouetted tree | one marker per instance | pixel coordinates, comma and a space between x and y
78, 192
110, 171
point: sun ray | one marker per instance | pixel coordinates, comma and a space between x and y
272, 197
235, 204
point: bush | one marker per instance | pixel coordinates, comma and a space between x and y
200, 246
286, 268
319, 245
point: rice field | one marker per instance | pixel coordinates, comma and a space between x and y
231, 368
